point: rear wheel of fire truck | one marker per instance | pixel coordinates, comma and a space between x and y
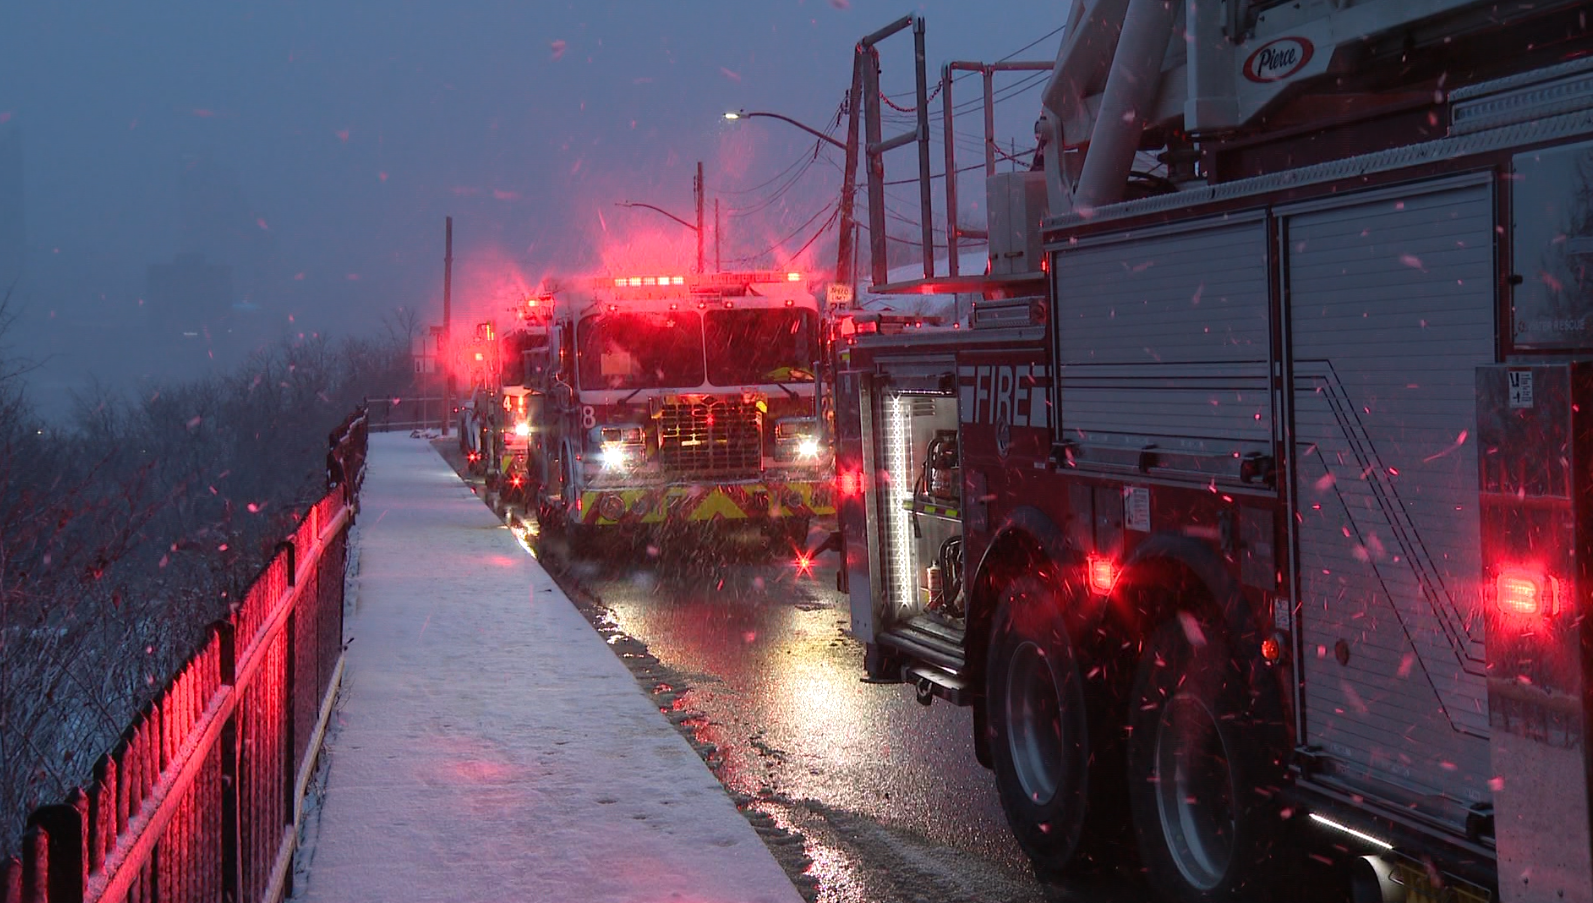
1039, 728
1199, 770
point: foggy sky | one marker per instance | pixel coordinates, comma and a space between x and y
343, 131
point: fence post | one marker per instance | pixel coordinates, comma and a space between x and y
286, 546
11, 880
231, 836
66, 827
35, 865
102, 812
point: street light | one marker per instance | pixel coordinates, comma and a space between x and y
697, 191
743, 114
843, 264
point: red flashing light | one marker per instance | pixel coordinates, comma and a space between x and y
1103, 574
517, 480
709, 420
849, 483
613, 307
1524, 593
803, 563
1271, 650
729, 304
793, 277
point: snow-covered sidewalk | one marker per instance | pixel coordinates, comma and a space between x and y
488, 744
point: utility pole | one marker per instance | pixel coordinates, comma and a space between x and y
446, 351
697, 187
845, 255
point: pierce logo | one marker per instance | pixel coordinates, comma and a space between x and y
1277, 60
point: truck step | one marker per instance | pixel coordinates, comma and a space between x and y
934, 646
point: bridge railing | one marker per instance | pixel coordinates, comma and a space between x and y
201, 798
403, 414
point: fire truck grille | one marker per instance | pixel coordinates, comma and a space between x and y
717, 438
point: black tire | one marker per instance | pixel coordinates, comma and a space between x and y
1038, 725
1202, 773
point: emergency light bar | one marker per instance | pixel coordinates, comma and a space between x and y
698, 280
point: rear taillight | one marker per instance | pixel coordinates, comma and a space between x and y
849, 483
1525, 593
1103, 574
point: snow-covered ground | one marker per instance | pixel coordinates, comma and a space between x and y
489, 745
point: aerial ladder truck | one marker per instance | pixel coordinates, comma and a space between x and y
1258, 494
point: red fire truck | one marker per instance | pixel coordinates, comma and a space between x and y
681, 401
1256, 511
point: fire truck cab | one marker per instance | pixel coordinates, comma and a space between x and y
677, 401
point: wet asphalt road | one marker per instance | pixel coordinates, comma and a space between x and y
885, 793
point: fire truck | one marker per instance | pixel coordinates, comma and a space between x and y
1252, 514
673, 402
503, 374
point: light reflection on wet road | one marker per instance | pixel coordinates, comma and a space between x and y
770, 665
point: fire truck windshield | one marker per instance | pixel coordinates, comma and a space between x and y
751, 346
641, 351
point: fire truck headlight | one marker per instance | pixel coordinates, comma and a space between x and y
614, 456
620, 446
522, 429
797, 438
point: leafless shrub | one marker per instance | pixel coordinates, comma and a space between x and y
128, 532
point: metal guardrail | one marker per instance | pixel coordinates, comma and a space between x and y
200, 800
402, 414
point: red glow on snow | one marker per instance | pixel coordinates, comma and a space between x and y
6, 116
203, 113
557, 46
260, 221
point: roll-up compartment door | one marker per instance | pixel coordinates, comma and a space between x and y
1162, 345
1391, 309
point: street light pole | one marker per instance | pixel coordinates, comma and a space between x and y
697, 190
843, 263
743, 114
446, 352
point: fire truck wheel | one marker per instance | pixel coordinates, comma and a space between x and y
1038, 726
1196, 770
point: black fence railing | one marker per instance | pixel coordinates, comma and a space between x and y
403, 414
200, 799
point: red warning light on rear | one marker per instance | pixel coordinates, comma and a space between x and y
1103, 574
849, 483
1524, 593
